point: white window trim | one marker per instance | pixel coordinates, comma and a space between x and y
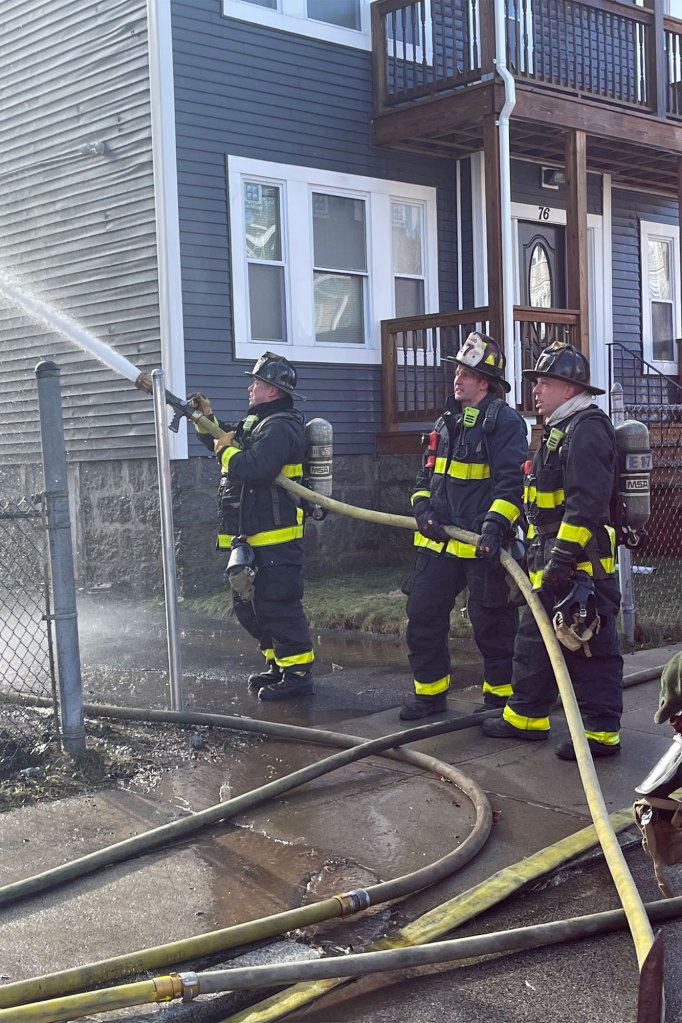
298, 183
666, 232
292, 16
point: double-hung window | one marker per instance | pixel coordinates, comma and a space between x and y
320, 258
660, 258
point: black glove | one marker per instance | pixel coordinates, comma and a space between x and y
579, 601
429, 526
492, 537
559, 572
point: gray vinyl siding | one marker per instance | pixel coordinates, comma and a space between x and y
628, 209
245, 90
77, 228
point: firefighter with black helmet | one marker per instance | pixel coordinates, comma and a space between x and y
471, 477
571, 560
261, 526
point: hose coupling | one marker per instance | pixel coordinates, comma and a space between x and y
144, 382
190, 985
353, 902
168, 988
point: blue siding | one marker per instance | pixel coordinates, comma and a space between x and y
526, 187
245, 90
628, 210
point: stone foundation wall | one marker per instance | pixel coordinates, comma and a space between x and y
116, 528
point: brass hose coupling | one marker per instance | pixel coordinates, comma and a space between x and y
168, 988
353, 902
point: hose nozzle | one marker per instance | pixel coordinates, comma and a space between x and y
144, 382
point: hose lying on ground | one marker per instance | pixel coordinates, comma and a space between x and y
640, 927
431, 925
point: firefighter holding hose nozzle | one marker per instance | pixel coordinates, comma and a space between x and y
261, 525
471, 477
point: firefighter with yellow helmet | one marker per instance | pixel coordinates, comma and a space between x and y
571, 561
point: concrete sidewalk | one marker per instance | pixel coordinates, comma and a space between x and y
367, 822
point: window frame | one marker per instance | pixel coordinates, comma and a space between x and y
650, 231
297, 185
292, 16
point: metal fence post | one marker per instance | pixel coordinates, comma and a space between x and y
167, 541
65, 614
627, 590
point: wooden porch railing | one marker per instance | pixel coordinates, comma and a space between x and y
416, 379
604, 50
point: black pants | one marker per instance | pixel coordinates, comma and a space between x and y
597, 680
432, 587
276, 617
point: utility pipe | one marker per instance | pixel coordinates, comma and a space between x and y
500, 62
177, 698
64, 612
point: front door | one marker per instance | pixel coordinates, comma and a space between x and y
542, 285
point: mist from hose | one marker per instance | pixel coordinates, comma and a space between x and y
42, 313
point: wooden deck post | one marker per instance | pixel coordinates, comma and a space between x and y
656, 60
576, 235
491, 159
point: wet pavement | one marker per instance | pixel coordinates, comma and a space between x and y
369, 821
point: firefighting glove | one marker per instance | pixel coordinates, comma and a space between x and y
227, 440
575, 617
559, 572
201, 403
429, 526
492, 537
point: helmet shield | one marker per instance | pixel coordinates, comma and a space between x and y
483, 355
277, 371
562, 361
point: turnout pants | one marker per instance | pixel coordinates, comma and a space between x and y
597, 680
276, 617
432, 588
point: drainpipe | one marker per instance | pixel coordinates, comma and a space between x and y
500, 62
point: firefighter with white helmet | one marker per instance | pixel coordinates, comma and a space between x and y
471, 477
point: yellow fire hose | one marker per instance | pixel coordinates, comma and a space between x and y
642, 934
638, 922
441, 919
431, 925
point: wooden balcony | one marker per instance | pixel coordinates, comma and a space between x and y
417, 379
606, 67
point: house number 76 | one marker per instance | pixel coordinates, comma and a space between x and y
543, 212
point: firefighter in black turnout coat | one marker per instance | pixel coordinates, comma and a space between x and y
471, 477
261, 525
571, 560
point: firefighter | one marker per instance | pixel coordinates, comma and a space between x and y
262, 526
471, 477
571, 560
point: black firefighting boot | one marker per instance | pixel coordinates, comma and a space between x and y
565, 750
292, 684
271, 674
423, 706
498, 728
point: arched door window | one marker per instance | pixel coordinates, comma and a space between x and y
540, 285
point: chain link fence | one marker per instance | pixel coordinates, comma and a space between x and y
656, 400
26, 657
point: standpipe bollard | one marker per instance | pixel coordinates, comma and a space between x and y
177, 699
64, 612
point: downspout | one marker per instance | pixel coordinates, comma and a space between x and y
500, 62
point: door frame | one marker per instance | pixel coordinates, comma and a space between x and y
600, 269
